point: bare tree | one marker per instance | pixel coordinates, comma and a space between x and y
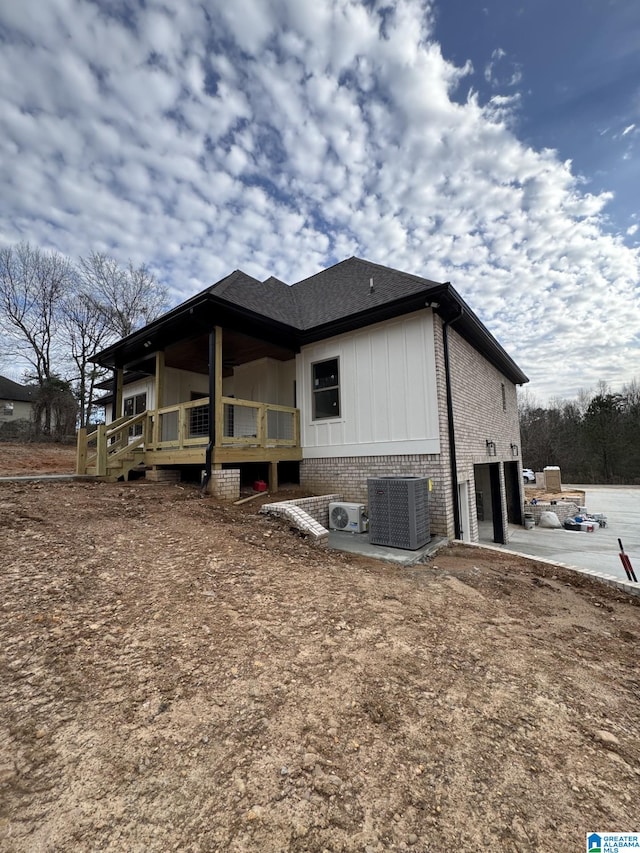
127, 298
33, 284
87, 331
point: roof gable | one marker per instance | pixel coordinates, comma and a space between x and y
271, 298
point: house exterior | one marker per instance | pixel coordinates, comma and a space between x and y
356, 372
15, 402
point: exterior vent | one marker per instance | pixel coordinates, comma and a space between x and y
399, 512
347, 516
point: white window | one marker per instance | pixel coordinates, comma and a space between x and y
8, 410
326, 389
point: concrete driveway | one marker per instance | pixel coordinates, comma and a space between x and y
599, 550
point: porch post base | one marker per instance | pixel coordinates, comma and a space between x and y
225, 484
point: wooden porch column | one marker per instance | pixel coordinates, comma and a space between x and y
116, 406
217, 384
218, 407
215, 399
273, 477
159, 396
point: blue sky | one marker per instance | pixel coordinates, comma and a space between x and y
495, 145
574, 66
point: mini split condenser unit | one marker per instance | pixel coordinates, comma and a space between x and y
347, 516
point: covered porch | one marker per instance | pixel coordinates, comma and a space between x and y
161, 415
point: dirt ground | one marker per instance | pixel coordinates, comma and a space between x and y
36, 458
178, 674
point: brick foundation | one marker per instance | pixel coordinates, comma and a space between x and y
162, 475
348, 475
225, 484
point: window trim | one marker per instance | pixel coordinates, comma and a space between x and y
135, 402
315, 391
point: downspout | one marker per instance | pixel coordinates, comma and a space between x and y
450, 423
212, 405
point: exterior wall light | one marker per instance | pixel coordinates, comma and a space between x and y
491, 447
514, 449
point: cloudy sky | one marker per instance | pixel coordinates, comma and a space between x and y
494, 144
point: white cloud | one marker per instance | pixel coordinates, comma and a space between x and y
502, 72
282, 136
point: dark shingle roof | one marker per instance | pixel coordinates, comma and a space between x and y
270, 298
10, 390
335, 300
345, 289
332, 294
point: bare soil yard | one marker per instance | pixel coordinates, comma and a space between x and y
182, 675
36, 458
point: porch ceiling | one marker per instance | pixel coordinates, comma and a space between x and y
237, 348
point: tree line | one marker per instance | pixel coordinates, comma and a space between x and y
594, 438
57, 313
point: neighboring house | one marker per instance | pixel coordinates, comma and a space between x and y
357, 371
15, 401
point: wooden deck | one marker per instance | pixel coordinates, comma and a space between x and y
246, 431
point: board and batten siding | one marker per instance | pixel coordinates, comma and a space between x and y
388, 399
140, 386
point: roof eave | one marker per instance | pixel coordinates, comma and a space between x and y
192, 319
452, 308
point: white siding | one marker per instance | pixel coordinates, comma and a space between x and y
265, 381
388, 400
180, 384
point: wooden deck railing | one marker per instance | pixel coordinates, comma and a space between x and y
243, 423
239, 423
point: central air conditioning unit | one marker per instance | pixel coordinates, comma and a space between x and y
399, 512
347, 516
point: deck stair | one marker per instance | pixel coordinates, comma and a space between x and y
113, 450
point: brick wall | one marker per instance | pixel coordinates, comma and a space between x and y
317, 507
562, 510
225, 484
479, 415
347, 475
